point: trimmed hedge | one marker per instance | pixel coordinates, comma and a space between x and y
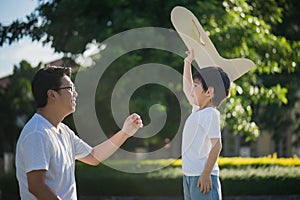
102, 180
9, 183
246, 177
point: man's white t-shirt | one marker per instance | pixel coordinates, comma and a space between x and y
42, 147
201, 126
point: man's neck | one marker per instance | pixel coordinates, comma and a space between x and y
53, 117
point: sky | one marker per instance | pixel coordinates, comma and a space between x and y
24, 49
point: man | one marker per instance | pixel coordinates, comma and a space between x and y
47, 148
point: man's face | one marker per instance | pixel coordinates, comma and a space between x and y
67, 95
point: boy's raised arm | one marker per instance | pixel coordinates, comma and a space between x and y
187, 76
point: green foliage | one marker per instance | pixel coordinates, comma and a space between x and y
275, 172
9, 183
265, 31
246, 30
103, 180
16, 105
168, 181
272, 54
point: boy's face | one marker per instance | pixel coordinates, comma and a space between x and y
200, 96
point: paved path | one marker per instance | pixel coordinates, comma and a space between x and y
264, 197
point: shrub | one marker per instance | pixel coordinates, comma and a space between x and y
255, 178
239, 176
258, 162
238, 162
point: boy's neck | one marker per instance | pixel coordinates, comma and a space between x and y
206, 104
201, 108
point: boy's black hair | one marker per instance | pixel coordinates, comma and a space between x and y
217, 78
197, 76
46, 79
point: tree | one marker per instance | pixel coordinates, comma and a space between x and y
17, 105
239, 28
281, 120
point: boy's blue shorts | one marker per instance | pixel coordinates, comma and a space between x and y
192, 191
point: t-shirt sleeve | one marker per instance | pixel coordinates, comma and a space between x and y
35, 149
211, 124
82, 149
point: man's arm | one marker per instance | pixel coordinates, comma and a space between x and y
37, 186
204, 181
187, 76
107, 148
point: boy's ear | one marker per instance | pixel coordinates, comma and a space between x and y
211, 91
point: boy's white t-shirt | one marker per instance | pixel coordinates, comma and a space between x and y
201, 126
41, 147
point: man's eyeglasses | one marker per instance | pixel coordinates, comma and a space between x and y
72, 88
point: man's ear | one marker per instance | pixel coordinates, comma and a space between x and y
51, 94
210, 91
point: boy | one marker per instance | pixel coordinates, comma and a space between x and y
201, 144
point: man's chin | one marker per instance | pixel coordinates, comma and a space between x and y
72, 110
